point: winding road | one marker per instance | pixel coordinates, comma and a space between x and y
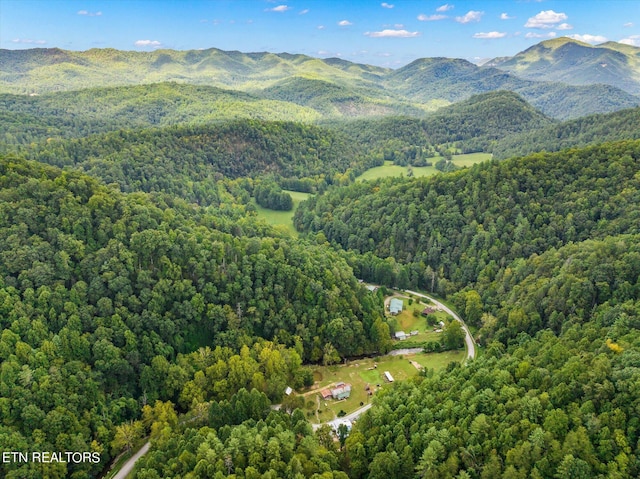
471, 353
468, 339
128, 466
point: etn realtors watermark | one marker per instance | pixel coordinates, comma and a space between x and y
49, 457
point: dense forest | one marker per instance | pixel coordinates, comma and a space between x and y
464, 227
104, 296
24, 119
580, 132
472, 125
189, 161
142, 297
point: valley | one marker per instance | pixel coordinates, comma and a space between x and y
191, 237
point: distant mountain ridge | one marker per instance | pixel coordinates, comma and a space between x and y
576, 63
334, 88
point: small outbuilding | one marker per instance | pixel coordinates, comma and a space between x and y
401, 335
388, 376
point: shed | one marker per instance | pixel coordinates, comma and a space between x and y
401, 335
388, 376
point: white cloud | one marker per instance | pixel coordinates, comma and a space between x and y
444, 8
546, 19
304, 12
431, 18
490, 35
324, 52
505, 16
321, 27
628, 25
89, 14
470, 16
564, 26
392, 34
540, 35
633, 40
587, 38
344, 23
279, 8
148, 43
386, 5
28, 41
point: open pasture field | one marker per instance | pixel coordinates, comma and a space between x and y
470, 159
369, 371
389, 169
282, 218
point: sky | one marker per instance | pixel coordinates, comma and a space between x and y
390, 34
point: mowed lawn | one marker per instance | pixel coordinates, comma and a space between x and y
367, 372
282, 218
407, 322
389, 169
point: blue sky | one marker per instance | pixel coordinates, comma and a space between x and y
391, 33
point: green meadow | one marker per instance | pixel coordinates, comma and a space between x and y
282, 218
361, 373
389, 169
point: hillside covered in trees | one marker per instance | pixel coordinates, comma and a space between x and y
104, 296
464, 227
141, 295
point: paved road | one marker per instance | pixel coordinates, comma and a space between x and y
128, 466
471, 353
471, 346
349, 417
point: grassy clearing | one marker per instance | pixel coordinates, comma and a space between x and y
362, 372
389, 169
282, 218
470, 159
407, 322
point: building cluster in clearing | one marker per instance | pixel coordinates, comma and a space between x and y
401, 335
340, 391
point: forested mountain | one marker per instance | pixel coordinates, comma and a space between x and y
559, 401
334, 100
42, 70
330, 87
141, 294
470, 125
583, 131
462, 228
577, 63
24, 119
104, 296
188, 161
456, 79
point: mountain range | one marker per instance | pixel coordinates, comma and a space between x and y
558, 77
576, 63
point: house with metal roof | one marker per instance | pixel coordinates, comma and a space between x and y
395, 306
